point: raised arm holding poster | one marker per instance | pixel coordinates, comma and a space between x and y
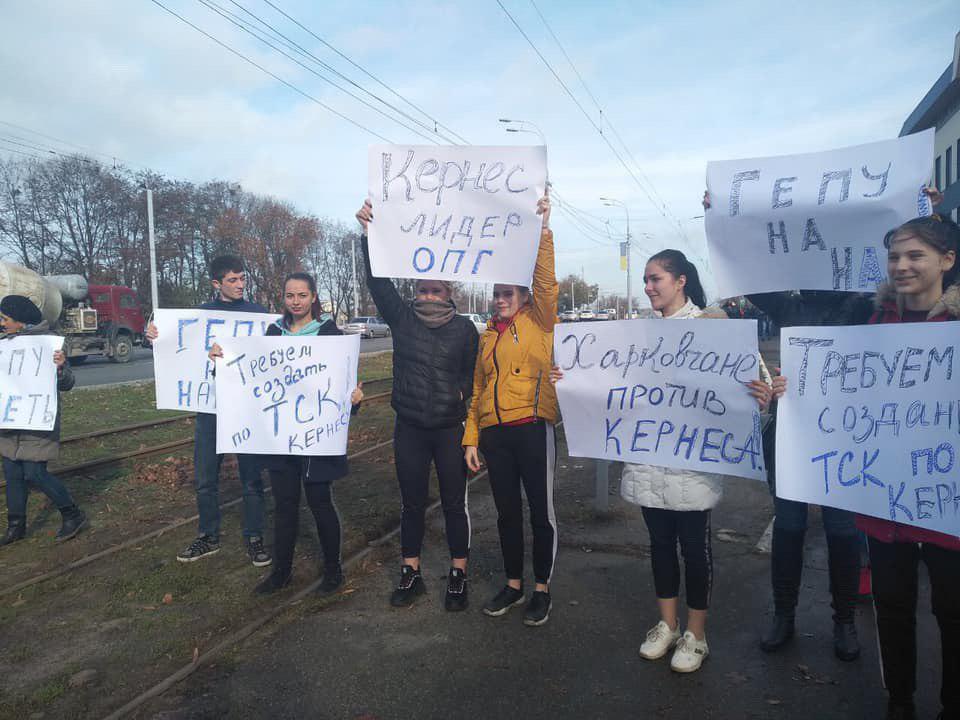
814, 221
662, 393
871, 421
28, 382
286, 395
183, 372
464, 213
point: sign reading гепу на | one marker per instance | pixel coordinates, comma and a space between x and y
464, 213
871, 421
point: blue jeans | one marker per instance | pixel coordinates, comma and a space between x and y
206, 480
792, 517
20, 474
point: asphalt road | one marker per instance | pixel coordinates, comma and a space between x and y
99, 370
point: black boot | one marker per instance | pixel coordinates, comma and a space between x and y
843, 555
16, 530
74, 521
900, 711
332, 581
276, 580
786, 566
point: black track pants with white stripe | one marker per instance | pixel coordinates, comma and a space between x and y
523, 455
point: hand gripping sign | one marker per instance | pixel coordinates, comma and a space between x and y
871, 421
462, 213
669, 393
286, 395
183, 372
28, 382
814, 221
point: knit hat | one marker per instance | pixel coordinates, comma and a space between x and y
21, 309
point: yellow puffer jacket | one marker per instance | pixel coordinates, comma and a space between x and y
511, 379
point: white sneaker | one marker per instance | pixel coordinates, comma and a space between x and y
660, 638
690, 654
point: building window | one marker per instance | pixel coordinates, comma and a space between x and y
948, 168
936, 174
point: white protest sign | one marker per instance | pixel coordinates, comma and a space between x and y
183, 372
871, 421
660, 392
28, 382
286, 395
466, 213
814, 221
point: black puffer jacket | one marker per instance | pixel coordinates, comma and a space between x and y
432, 367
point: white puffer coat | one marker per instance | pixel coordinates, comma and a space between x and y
669, 488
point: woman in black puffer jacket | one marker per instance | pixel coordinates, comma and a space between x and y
434, 353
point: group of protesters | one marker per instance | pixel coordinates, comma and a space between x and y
459, 396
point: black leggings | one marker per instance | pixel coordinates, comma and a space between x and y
286, 492
894, 567
523, 456
414, 449
692, 529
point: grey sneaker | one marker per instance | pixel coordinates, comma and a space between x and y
201, 547
258, 554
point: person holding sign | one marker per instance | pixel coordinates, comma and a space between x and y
814, 308
511, 419
228, 277
303, 316
27, 452
922, 263
677, 503
434, 353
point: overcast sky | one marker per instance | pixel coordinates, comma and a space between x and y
682, 83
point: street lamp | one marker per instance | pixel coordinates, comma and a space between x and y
611, 202
154, 294
524, 126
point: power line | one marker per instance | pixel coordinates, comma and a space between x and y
593, 123
248, 28
276, 77
85, 149
367, 73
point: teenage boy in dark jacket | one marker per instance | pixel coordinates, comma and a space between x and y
228, 277
27, 452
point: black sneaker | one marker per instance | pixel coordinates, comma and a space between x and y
507, 598
332, 581
456, 597
258, 554
537, 611
409, 588
16, 531
74, 520
272, 583
201, 547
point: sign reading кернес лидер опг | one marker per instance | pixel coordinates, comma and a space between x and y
814, 221
668, 393
871, 421
461, 213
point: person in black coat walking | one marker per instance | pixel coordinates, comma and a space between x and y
434, 354
303, 316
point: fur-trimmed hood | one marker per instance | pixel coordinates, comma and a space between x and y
948, 303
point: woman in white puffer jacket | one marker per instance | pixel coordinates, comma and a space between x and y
676, 503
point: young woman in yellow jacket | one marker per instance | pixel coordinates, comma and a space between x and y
511, 419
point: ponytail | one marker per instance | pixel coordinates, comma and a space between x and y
676, 263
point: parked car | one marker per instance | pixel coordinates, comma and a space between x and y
367, 327
477, 321
587, 315
611, 313
569, 316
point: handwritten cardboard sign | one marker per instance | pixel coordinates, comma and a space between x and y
465, 213
286, 395
668, 393
183, 372
814, 221
871, 421
28, 382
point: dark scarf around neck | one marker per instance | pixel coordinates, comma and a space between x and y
434, 314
